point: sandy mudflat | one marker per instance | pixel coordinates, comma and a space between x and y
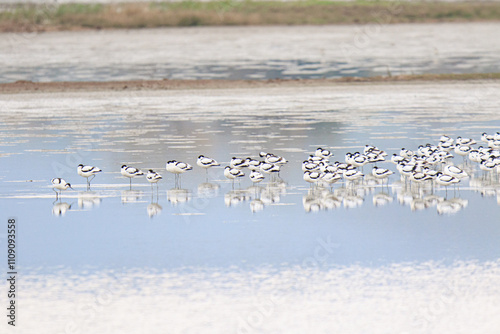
32, 87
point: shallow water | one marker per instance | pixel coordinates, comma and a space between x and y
247, 260
251, 52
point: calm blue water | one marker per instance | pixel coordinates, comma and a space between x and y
198, 249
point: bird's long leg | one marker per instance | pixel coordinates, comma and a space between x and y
88, 181
130, 183
57, 194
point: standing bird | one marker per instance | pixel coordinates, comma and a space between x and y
312, 177
59, 184
205, 163
446, 180
130, 172
153, 177
88, 171
232, 173
270, 168
177, 168
381, 173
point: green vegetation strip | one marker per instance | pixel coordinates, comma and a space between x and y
25, 17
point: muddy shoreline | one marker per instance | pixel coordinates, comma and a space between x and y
33, 87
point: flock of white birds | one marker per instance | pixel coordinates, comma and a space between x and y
428, 163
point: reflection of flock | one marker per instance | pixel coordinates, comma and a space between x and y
353, 196
420, 171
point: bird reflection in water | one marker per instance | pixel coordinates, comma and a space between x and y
258, 196
87, 200
154, 208
60, 208
381, 199
451, 206
131, 196
235, 197
208, 190
178, 196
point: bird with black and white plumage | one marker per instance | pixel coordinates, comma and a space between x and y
396, 159
312, 177
342, 166
420, 177
446, 180
374, 157
495, 144
330, 177
465, 141
177, 168
256, 176
373, 150
269, 168
406, 169
430, 172
486, 137
381, 173
462, 150
358, 159
329, 169
238, 163
59, 184
253, 165
310, 166
446, 146
352, 175
130, 172
407, 154
275, 159
206, 162
445, 139
322, 153
487, 165
153, 177
87, 171
455, 171
233, 173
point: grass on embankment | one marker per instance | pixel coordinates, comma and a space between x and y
22, 18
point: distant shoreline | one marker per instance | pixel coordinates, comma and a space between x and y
34, 87
60, 17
